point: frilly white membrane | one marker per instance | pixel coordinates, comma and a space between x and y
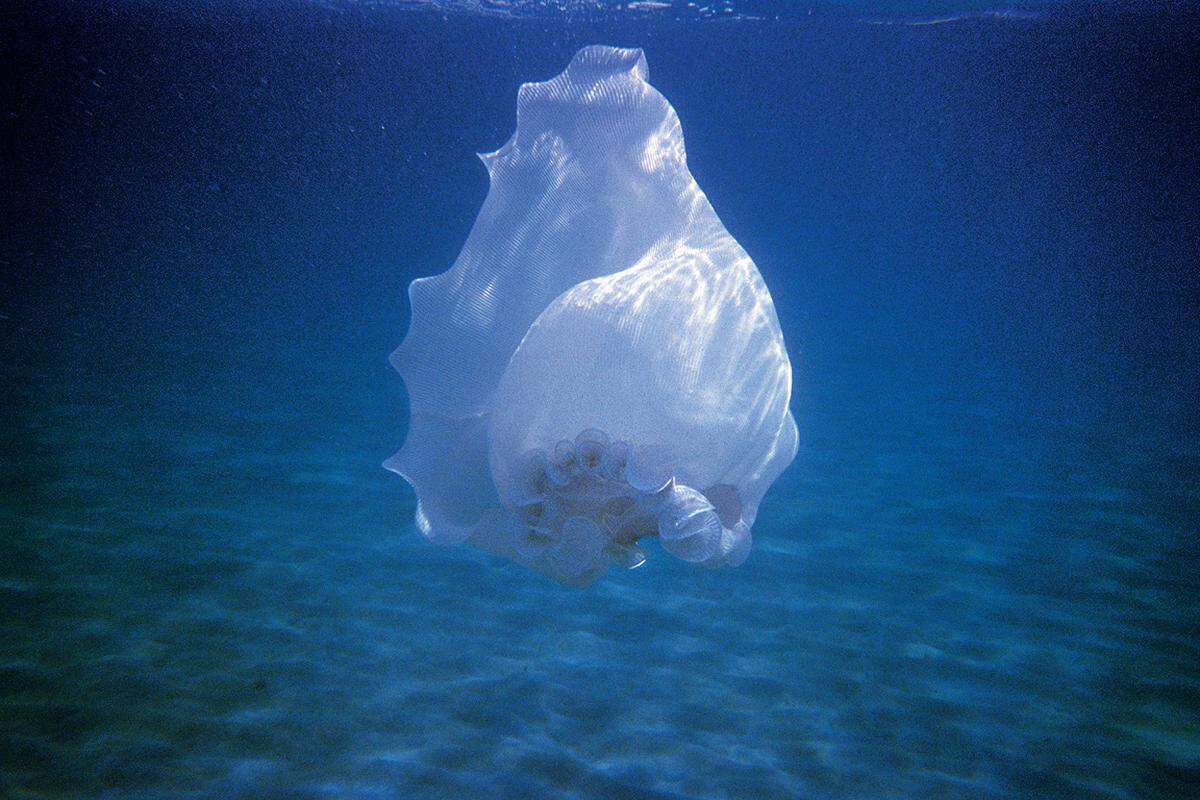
602, 365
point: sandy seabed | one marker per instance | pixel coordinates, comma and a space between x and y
230, 601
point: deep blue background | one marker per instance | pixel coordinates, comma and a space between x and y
982, 241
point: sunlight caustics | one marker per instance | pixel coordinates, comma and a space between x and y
602, 365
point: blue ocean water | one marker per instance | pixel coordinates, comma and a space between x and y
978, 579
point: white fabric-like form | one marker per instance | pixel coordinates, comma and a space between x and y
603, 363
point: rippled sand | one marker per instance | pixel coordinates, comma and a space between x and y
228, 600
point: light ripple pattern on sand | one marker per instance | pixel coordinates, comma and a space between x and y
889, 638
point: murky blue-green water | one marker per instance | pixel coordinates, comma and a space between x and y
978, 579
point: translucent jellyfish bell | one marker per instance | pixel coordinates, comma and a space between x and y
602, 364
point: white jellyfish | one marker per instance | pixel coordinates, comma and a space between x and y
602, 365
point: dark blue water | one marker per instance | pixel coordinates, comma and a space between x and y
979, 578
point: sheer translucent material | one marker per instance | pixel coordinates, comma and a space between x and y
602, 364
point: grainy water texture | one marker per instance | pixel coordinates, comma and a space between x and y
978, 578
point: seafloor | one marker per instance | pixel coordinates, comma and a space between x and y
209, 595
